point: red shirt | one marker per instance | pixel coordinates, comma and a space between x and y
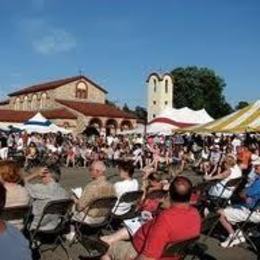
173, 225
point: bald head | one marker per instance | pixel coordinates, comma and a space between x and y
97, 169
180, 189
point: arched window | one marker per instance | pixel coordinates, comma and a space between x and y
166, 86
81, 90
43, 102
25, 103
154, 85
34, 105
17, 104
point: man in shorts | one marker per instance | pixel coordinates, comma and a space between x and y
239, 213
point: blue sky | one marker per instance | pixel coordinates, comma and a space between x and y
117, 43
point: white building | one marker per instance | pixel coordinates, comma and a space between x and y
159, 94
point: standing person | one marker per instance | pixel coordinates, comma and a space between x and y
13, 245
178, 223
127, 184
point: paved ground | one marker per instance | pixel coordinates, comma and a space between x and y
72, 178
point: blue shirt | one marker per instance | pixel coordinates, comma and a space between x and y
253, 192
13, 245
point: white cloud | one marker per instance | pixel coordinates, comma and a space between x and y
45, 38
55, 41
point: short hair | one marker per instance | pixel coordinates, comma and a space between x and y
10, 171
180, 189
2, 196
127, 166
101, 166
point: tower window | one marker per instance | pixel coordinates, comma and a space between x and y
154, 115
166, 86
154, 102
166, 102
154, 85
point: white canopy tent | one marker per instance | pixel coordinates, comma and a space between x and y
172, 119
39, 124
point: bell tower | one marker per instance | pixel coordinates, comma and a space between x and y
159, 94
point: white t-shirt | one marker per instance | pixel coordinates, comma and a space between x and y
122, 187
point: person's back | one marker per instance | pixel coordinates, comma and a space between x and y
13, 245
42, 193
178, 223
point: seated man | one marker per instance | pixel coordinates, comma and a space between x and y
127, 184
178, 223
99, 187
13, 245
47, 190
239, 213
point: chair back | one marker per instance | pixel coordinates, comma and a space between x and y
106, 203
156, 194
233, 183
180, 249
131, 197
58, 207
17, 212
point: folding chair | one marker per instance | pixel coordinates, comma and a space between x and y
17, 213
209, 224
95, 248
156, 194
185, 248
105, 205
38, 237
247, 227
131, 197
219, 202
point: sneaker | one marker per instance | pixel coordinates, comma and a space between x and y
227, 241
70, 236
238, 240
230, 242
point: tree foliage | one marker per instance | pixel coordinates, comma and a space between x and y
241, 105
199, 88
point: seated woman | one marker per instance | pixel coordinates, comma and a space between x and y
127, 184
231, 171
16, 194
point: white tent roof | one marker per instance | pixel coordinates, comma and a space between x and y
186, 115
39, 124
171, 119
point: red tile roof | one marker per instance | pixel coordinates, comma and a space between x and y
4, 102
22, 116
96, 109
60, 113
52, 85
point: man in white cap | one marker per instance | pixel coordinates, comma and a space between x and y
239, 213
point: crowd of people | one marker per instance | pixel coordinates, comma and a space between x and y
227, 167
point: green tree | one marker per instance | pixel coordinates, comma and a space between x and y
241, 105
141, 113
126, 108
199, 88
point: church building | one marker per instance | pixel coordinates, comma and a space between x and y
74, 103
